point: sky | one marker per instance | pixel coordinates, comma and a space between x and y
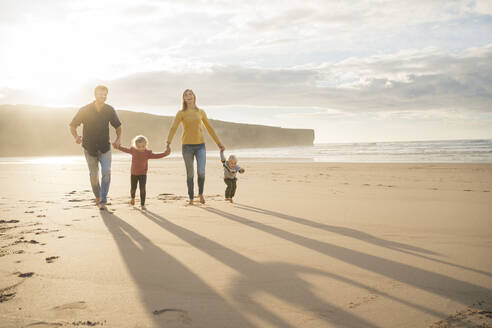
354, 71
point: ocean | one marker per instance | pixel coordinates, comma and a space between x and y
438, 151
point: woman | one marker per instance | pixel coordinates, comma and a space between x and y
193, 142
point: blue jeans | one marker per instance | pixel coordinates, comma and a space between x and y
93, 163
189, 152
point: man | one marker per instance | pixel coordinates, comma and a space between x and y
95, 118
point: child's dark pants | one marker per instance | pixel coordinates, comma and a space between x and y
231, 187
141, 180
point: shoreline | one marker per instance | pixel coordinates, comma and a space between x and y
456, 151
73, 159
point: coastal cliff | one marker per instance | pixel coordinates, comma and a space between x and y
42, 131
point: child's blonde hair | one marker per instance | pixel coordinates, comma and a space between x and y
232, 158
139, 139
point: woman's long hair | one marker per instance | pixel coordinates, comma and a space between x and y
185, 105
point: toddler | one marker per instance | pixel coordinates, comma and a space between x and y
140, 157
230, 170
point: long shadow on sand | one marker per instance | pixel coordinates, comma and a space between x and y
438, 284
360, 235
166, 286
280, 280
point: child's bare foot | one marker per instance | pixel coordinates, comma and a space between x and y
202, 200
132, 201
143, 208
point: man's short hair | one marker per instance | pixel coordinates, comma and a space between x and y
101, 87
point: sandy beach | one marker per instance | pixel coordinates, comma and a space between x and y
304, 245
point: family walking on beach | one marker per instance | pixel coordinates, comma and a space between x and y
96, 117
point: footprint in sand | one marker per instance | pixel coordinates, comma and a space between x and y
51, 259
363, 300
169, 197
88, 323
476, 315
32, 241
71, 306
9, 221
178, 315
44, 324
25, 275
8, 293
6, 296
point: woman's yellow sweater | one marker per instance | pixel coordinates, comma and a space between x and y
192, 127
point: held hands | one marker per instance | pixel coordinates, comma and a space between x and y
168, 150
117, 143
221, 147
241, 170
78, 140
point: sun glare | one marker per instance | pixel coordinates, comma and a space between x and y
51, 61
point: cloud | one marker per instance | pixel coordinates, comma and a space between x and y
411, 80
404, 81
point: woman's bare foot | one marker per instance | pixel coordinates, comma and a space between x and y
190, 202
202, 199
230, 199
132, 201
143, 208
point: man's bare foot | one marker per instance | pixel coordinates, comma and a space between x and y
98, 199
132, 201
103, 207
202, 199
143, 208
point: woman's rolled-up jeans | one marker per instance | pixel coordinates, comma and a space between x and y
189, 152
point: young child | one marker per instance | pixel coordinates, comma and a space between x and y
230, 170
140, 157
